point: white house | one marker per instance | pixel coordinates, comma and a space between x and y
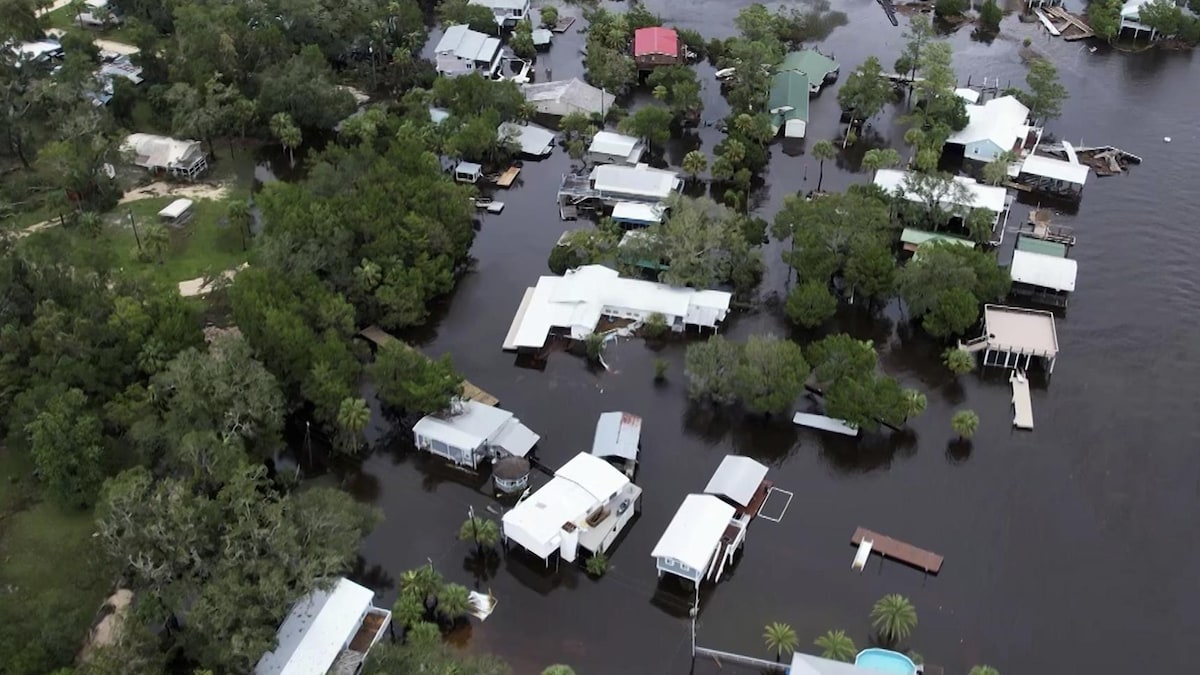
1044, 278
586, 505
330, 631
967, 195
534, 140
462, 50
183, 158
474, 433
1130, 18
574, 303
997, 126
508, 12
693, 545
563, 97
612, 148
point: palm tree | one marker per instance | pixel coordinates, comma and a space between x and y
483, 531
995, 172
156, 238
780, 637
836, 645
965, 423
959, 361
559, 669
352, 417
823, 150
284, 129
241, 217
983, 670
914, 403
880, 158
92, 223
422, 583
894, 617
695, 163
453, 602
408, 610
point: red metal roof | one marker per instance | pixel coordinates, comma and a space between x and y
655, 41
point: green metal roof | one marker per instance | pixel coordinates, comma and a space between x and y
1050, 248
810, 62
789, 88
918, 237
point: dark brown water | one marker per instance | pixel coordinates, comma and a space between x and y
1068, 549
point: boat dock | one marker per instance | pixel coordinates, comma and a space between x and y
506, 179
1022, 405
380, 337
887, 547
890, 9
564, 23
1069, 26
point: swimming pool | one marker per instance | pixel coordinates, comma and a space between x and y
885, 661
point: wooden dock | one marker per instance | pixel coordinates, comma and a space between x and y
506, 179
1072, 27
381, 337
564, 23
1022, 405
898, 550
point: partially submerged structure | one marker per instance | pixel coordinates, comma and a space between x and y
610, 184
474, 433
787, 102
1041, 276
995, 127
957, 200
655, 46
618, 440
507, 12
818, 68
612, 148
462, 50
563, 97
573, 304
1013, 337
534, 140
163, 154
468, 172
586, 505
329, 632
637, 214
911, 239
1062, 178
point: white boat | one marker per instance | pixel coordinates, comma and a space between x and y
725, 73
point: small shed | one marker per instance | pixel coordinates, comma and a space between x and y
737, 479
177, 213
618, 439
656, 46
689, 547
787, 102
1043, 278
638, 214
612, 148
468, 172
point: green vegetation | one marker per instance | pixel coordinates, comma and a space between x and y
483, 532
1169, 19
846, 370
678, 88
836, 645
958, 361
780, 638
990, 16
865, 91
695, 163
765, 375
660, 369
810, 304
655, 326
548, 15
597, 564
946, 285
983, 670
965, 423
821, 151
406, 379
558, 669
894, 617
947, 9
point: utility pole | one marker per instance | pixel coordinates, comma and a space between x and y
133, 224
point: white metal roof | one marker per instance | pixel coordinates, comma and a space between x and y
737, 478
562, 97
1044, 271
1056, 169
516, 438
695, 531
475, 424
807, 664
635, 181
968, 95
578, 299
825, 423
176, 208
502, 4
1020, 331
617, 435
153, 151
1131, 8
317, 630
579, 487
610, 143
467, 44
534, 140
638, 212
988, 197
1001, 120
38, 48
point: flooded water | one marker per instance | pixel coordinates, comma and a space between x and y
1062, 545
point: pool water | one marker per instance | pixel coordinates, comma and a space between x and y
885, 661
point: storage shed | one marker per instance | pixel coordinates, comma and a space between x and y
474, 433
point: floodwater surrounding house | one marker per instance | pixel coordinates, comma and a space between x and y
618, 439
612, 148
534, 140
1041, 277
587, 504
655, 46
1013, 337
787, 102
818, 68
473, 433
574, 303
970, 195
995, 127
330, 631
462, 50
507, 12
563, 97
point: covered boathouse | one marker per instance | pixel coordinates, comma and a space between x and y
1013, 337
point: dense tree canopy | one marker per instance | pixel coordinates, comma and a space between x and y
937, 283
847, 371
407, 379
764, 375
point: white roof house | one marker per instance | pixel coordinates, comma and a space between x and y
690, 543
638, 213
562, 97
462, 50
163, 153
38, 50
608, 146
507, 12
575, 302
981, 196
639, 181
474, 433
1060, 170
534, 140
327, 632
556, 517
997, 126
1043, 271
737, 478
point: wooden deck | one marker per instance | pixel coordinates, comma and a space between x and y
381, 337
898, 550
1022, 406
756, 502
506, 179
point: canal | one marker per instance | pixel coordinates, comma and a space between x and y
1062, 545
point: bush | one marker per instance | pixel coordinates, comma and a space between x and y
990, 15
694, 41
660, 369
949, 8
959, 361
655, 326
549, 16
594, 343
810, 304
597, 565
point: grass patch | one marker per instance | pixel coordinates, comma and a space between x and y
52, 580
63, 19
